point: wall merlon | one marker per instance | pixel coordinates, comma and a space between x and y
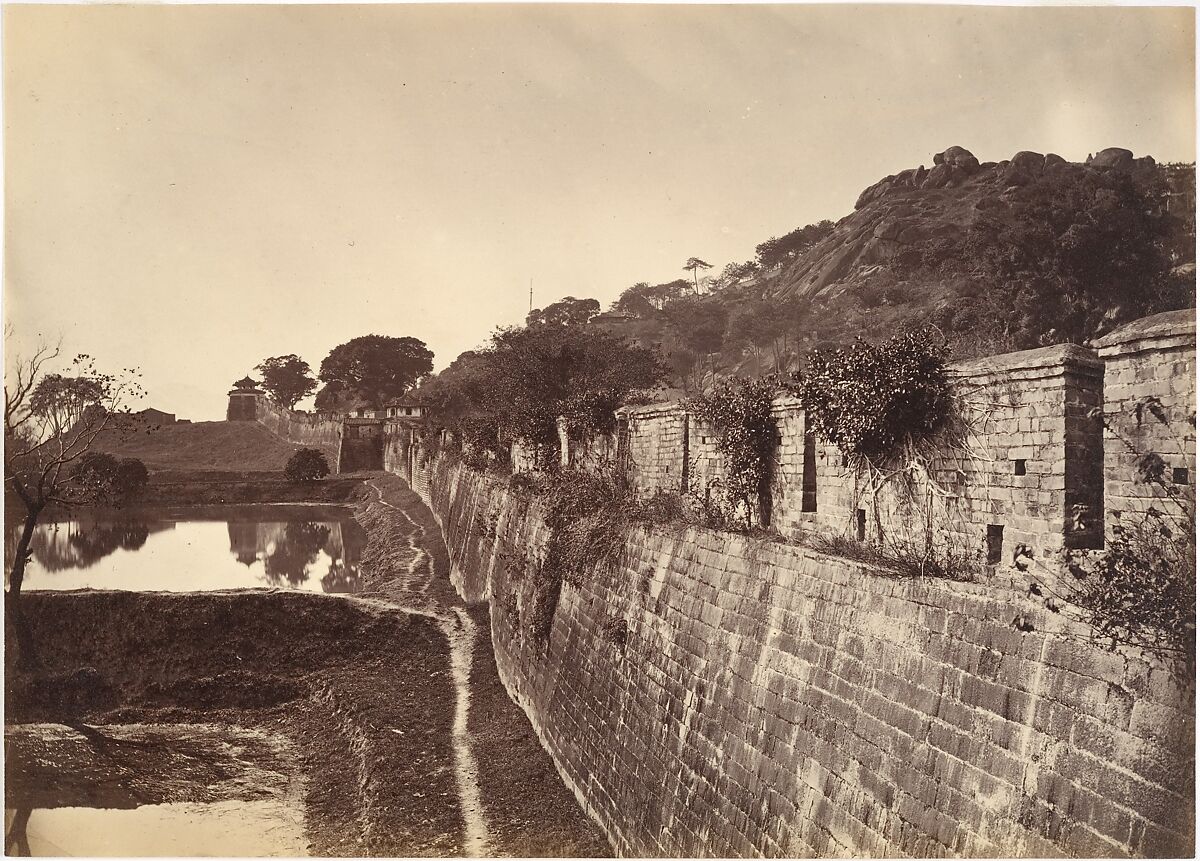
1169, 332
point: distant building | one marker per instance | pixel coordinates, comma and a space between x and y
243, 401
404, 408
155, 417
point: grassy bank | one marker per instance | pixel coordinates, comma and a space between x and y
237, 446
204, 487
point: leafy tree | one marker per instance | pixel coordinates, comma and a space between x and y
735, 272
697, 327
518, 386
568, 311
109, 480
97, 471
644, 300
308, 464
876, 401
764, 324
288, 379
456, 394
786, 248
131, 478
373, 369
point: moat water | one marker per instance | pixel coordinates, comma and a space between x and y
242, 828
178, 549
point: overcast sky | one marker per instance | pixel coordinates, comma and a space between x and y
193, 189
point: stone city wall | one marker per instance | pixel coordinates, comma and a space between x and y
1149, 407
322, 431
1040, 471
717, 696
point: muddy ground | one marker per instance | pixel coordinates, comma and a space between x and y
362, 689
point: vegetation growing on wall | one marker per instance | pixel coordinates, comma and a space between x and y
517, 387
890, 410
588, 514
739, 411
880, 404
1141, 589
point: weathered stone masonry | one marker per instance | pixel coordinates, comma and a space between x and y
714, 696
1043, 472
1150, 406
318, 430
349, 443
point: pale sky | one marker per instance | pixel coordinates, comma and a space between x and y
193, 189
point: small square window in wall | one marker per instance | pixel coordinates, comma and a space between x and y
995, 543
1179, 475
1019, 467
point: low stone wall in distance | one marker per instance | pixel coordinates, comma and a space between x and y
322, 431
717, 696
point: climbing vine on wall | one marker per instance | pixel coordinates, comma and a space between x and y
739, 411
891, 411
878, 402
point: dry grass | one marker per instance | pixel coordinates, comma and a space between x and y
230, 446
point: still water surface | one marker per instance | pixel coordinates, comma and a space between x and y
242, 828
178, 549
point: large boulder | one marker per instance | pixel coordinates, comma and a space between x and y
959, 157
1113, 157
1029, 162
938, 177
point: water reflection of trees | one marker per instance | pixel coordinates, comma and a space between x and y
16, 838
290, 551
292, 554
62, 546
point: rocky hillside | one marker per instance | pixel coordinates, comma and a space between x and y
999, 256
901, 213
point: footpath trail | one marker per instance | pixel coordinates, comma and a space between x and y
512, 800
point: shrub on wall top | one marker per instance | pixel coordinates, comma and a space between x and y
873, 401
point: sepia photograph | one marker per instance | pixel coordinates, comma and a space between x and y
585, 430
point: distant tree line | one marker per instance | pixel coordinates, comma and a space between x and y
365, 371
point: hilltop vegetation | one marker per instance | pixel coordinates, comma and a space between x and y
1000, 256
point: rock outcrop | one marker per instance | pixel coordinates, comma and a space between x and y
946, 200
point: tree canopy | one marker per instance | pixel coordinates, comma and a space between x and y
518, 386
643, 299
784, 249
371, 370
568, 311
288, 379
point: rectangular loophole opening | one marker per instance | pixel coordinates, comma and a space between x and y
808, 485
1019, 467
860, 524
995, 544
1179, 475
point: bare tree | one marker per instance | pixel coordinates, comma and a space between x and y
50, 421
